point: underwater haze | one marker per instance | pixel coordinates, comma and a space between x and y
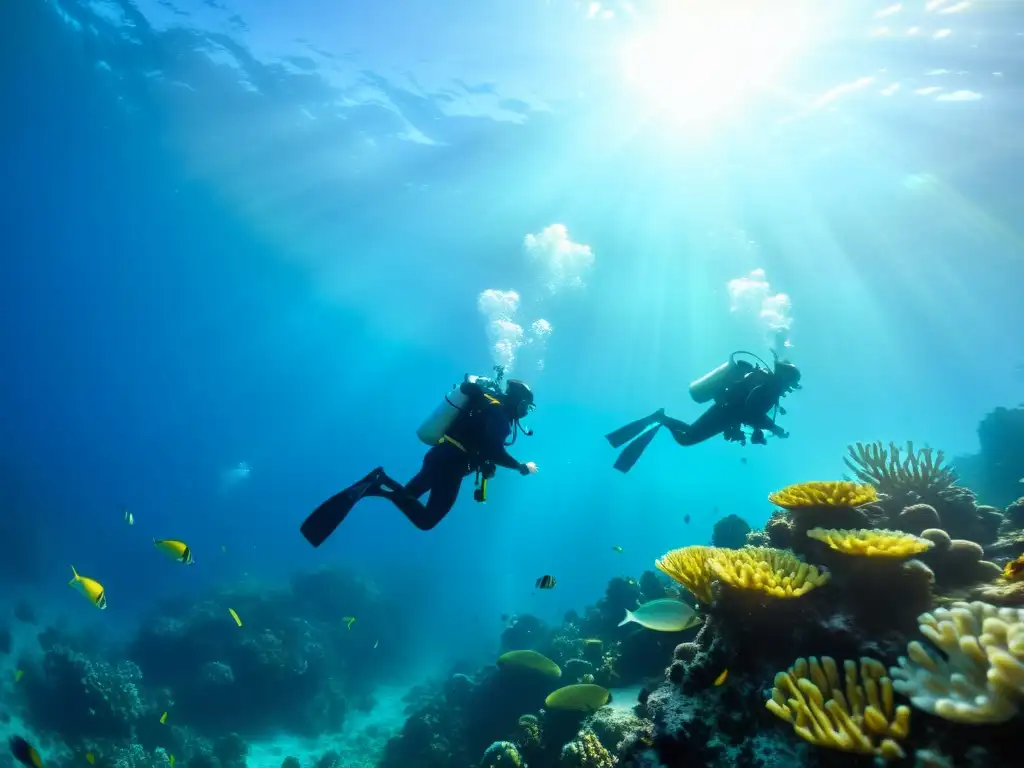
248, 247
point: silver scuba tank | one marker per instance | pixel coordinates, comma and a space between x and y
714, 383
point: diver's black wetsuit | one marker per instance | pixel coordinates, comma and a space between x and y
474, 442
748, 402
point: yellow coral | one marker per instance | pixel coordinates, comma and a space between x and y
980, 676
691, 567
842, 714
872, 543
840, 493
586, 752
772, 571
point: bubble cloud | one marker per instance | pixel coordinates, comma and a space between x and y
752, 297
503, 333
563, 263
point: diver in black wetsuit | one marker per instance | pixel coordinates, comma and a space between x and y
744, 394
473, 442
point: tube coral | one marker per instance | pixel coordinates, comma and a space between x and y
981, 677
866, 542
842, 714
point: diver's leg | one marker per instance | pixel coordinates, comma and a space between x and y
713, 421
442, 473
623, 435
325, 519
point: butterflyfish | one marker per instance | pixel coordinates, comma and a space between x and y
25, 753
234, 616
176, 550
546, 582
163, 719
90, 758
91, 588
350, 620
721, 678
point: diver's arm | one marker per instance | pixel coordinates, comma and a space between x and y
471, 389
503, 458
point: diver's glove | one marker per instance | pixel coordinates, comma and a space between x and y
529, 468
780, 433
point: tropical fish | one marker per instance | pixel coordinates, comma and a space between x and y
665, 615
234, 616
170, 760
163, 719
593, 641
91, 588
686, 518
546, 582
25, 753
90, 758
582, 697
721, 678
350, 620
176, 550
376, 643
18, 675
617, 548
529, 660
128, 516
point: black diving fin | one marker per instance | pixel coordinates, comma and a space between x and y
632, 452
325, 519
623, 435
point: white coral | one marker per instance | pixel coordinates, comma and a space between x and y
981, 678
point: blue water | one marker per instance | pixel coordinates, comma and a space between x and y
257, 232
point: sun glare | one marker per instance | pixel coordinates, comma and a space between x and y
700, 63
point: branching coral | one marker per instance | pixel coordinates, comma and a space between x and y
922, 472
841, 714
981, 677
771, 571
819, 494
586, 752
871, 543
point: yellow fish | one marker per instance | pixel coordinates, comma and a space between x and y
176, 550
91, 588
350, 620
234, 616
90, 758
129, 517
25, 753
18, 675
721, 678
163, 719
170, 759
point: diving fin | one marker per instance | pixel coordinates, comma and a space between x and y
632, 452
325, 519
623, 435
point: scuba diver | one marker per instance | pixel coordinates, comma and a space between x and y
469, 433
744, 394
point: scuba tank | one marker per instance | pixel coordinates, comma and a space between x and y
437, 423
712, 384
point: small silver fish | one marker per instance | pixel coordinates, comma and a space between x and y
664, 615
